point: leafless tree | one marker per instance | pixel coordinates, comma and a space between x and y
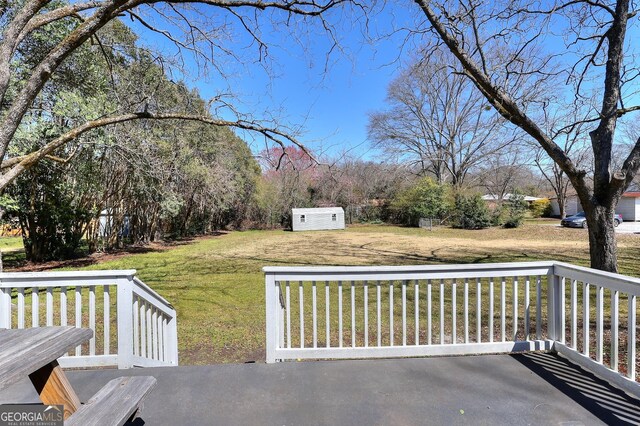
580, 49
437, 121
197, 31
501, 173
573, 142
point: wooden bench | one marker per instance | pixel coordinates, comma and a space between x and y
34, 352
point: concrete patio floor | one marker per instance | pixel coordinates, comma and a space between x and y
528, 389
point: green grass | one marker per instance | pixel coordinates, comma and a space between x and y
10, 243
217, 286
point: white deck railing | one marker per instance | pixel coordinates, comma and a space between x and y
586, 315
133, 325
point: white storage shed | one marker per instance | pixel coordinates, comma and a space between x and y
317, 219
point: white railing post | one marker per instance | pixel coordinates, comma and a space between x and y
125, 321
173, 339
553, 305
5, 307
273, 315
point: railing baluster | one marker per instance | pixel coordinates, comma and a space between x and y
491, 310
478, 310
92, 319
574, 314
35, 307
340, 313
514, 333
615, 315
416, 310
353, 314
160, 339
527, 308
21, 307
585, 318
366, 314
136, 325
379, 312
599, 322
327, 314
390, 313
631, 339
314, 317
441, 310
154, 332
454, 313
301, 296
148, 331
563, 311
78, 306
63, 306
106, 311
49, 304
429, 314
143, 328
287, 290
404, 313
538, 307
466, 310
503, 309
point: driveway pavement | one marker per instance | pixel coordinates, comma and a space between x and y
628, 228
623, 228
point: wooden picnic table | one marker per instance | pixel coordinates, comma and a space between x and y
34, 352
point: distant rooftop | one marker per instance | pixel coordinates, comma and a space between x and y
491, 197
318, 210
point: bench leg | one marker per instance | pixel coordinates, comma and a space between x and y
54, 388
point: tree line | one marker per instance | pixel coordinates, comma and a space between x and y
134, 182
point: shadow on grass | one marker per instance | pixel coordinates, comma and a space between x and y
16, 260
597, 396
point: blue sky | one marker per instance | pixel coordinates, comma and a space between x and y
329, 106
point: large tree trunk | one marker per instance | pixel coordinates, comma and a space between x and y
602, 237
562, 205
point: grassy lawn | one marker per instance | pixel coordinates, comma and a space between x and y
10, 243
217, 286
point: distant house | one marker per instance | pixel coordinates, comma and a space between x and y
317, 219
492, 200
571, 207
628, 206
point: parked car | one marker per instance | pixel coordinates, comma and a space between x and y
579, 220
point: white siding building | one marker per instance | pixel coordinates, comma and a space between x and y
572, 206
628, 206
317, 219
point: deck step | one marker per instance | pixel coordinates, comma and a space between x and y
114, 404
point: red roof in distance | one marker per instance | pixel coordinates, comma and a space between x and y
632, 194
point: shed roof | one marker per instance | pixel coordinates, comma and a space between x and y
318, 210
